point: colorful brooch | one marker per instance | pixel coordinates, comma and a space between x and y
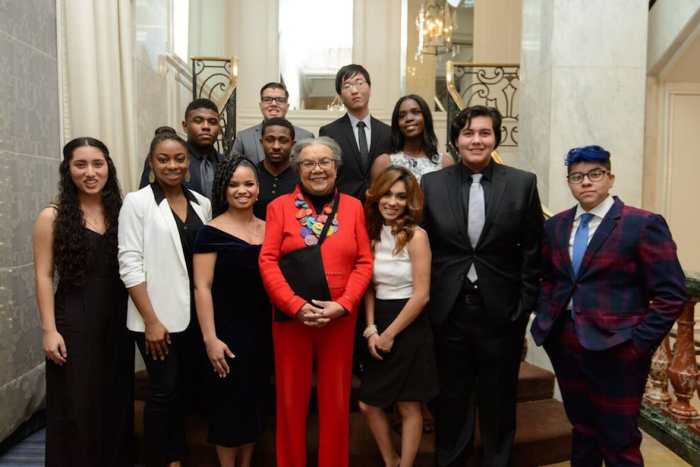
311, 227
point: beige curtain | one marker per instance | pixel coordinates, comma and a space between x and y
98, 72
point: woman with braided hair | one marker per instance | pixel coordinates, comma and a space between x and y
234, 314
89, 351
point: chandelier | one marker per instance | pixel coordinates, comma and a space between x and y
435, 25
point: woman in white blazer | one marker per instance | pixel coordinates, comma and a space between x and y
157, 228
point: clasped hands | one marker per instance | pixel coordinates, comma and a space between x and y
377, 343
319, 313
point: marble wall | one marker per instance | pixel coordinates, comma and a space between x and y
583, 81
29, 159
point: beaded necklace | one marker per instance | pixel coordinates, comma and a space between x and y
311, 227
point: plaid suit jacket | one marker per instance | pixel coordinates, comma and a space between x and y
630, 283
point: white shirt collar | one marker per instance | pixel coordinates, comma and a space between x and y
599, 211
354, 120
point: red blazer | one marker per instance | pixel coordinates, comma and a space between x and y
347, 258
630, 284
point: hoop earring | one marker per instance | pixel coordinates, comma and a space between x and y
188, 177
151, 177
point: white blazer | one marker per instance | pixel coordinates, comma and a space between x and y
150, 251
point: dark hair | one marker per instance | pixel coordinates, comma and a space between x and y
347, 72
160, 137
200, 104
404, 226
588, 154
274, 85
71, 244
164, 129
464, 118
430, 141
222, 176
276, 121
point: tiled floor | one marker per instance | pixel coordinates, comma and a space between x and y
655, 455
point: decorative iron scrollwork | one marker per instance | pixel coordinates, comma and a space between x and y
215, 78
492, 85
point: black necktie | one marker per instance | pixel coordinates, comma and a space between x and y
364, 150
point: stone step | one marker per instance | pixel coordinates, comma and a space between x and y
534, 383
543, 437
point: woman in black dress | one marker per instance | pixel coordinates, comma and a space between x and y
234, 314
89, 394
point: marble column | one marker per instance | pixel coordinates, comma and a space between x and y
583, 81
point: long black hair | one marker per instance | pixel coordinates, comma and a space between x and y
71, 244
223, 174
430, 141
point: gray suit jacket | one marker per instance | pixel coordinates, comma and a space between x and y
248, 142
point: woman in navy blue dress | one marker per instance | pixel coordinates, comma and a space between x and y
234, 314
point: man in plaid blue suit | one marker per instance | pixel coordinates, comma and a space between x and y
612, 287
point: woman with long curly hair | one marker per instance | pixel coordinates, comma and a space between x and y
89, 406
157, 228
398, 333
413, 141
234, 314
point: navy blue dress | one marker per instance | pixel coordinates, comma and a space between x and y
237, 405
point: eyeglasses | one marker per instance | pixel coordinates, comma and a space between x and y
269, 99
325, 164
357, 85
594, 175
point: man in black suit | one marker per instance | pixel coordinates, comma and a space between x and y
360, 136
202, 127
485, 224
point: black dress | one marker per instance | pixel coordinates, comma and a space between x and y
89, 400
237, 405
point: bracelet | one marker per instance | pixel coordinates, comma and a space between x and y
370, 331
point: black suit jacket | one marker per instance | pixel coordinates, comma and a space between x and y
353, 179
507, 256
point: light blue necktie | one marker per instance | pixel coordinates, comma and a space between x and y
580, 242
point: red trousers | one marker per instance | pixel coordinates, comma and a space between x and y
297, 347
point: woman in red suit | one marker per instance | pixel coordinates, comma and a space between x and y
315, 331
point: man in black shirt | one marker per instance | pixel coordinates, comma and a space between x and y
202, 127
275, 172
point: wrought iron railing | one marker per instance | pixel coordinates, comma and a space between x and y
490, 84
216, 78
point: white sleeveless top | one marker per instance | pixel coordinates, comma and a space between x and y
392, 275
418, 165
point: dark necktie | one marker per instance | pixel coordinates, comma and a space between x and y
206, 173
364, 149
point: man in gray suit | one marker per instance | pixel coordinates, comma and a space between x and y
273, 104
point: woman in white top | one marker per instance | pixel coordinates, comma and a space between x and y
157, 228
413, 140
398, 333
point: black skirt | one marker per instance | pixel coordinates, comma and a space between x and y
406, 374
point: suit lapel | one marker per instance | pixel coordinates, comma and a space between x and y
563, 237
352, 144
601, 234
454, 194
169, 218
498, 188
374, 128
258, 147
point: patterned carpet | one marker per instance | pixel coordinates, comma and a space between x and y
28, 453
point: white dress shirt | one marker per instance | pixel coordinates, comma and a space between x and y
599, 213
368, 129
